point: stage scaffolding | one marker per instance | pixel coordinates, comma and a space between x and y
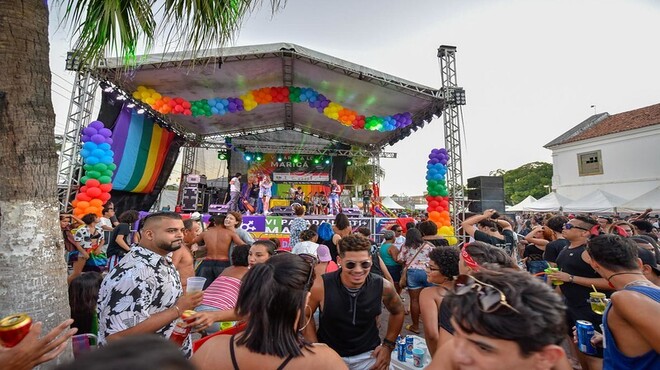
454, 97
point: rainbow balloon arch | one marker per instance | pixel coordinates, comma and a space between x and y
437, 198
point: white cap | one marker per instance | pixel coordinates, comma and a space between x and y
196, 216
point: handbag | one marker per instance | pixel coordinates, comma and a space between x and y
403, 282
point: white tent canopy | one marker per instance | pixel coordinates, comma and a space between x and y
389, 203
598, 201
520, 206
650, 199
549, 203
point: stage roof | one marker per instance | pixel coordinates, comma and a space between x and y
233, 71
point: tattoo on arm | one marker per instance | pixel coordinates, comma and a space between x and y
391, 299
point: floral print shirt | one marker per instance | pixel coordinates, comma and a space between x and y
419, 263
142, 284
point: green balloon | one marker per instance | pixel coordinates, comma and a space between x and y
84, 179
100, 167
105, 179
112, 166
93, 174
88, 167
444, 193
106, 173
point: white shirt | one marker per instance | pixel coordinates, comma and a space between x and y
308, 247
235, 184
399, 241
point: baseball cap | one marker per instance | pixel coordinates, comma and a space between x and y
648, 259
196, 216
323, 253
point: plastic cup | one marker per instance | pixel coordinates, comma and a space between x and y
418, 357
195, 284
551, 270
598, 302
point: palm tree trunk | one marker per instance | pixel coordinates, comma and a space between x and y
32, 267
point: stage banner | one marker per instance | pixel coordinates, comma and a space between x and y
292, 168
278, 226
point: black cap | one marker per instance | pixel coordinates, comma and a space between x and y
648, 258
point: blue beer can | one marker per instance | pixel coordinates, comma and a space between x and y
409, 345
401, 350
585, 330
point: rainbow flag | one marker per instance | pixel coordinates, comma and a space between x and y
140, 146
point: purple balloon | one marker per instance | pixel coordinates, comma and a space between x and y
90, 131
444, 161
434, 161
97, 125
98, 139
319, 109
109, 141
105, 132
85, 138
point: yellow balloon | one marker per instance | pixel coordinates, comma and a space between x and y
137, 94
156, 96
141, 88
150, 101
452, 240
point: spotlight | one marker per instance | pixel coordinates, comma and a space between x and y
317, 160
295, 159
327, 161
349, 162
130, 105
280, 157
248, 157
222, 155
140, 111
258, 157
121, 97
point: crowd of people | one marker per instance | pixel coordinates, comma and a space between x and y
510, 296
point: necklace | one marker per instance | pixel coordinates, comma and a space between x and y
638, 282
609, 279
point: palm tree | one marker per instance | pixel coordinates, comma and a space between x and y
32, 268
364, 170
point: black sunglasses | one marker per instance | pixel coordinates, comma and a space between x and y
350, 265
569, 226
311, 260
490, 298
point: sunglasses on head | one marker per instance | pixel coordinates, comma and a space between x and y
350, 265
569, 226
490, 299
311, 260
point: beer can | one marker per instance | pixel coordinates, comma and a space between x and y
409, 345
585, 330
401, 350
180, 332
14, 328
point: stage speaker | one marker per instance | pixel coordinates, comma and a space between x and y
215, 209
352, 212
486, 192
281, 211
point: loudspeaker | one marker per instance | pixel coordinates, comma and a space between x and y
281, 211
486, 192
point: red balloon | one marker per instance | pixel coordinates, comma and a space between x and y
105, 197
93, 183
172, 103
83, 197
186, 105
94, 192
105, 187
187, 112
178, 109
433, 203
83, 189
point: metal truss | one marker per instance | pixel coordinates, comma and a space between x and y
452, 127
187, 168
69, 167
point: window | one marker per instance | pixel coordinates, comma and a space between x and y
590, 163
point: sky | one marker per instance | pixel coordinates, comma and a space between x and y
532, 69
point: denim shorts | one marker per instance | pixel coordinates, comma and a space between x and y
417, 279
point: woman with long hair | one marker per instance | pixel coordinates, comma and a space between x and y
83, 294
120, 237
265, 192
415, 255
440, 270
90, 238
273, 298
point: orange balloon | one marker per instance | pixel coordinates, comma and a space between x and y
434, 216
96, 203
82, 205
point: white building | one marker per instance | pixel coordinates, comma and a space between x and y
619, 154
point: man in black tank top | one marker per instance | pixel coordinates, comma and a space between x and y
350, 301
578, 277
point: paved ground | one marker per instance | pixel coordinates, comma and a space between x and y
408, 320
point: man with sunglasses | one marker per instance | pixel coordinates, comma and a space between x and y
350, 301
578, 278
631, 328
504, 319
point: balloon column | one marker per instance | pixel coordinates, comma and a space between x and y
98, 166
437, 198
269, 95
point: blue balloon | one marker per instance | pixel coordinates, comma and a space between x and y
104, 146
89, 146
109, 153
98, 153
215, 110
212, 102
91, 160
106, 160
84, 153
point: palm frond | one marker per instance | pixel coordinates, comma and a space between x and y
118, 27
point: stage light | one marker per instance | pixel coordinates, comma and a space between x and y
327, 161
248, 157
280, 157
317, 160
295, 159
130, 105
258, 157
458, 96
222, 155
349, 162
140, 111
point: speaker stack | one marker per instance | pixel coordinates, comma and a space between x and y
486, 192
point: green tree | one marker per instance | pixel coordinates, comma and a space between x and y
364, 170
32, 268
533, 179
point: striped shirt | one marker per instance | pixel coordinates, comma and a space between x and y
222, 293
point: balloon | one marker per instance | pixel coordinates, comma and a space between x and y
98, 139
96, 202
97, 125
105, 132
84, 179
100, 167
105, 187
434, 216
105, 196
92, 183
93, 174
83, 189
83, 204
90, 209
94, 192
98, 153
90, 131
105, 179
89, 146
91, 160
104, 146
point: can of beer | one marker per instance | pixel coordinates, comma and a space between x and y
409, 345
585, 330
180, 331
401, 350
14, 328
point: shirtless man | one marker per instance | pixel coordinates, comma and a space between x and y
182, 258
217, 241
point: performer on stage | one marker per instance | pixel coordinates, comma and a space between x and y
265, 192
335, 190
234, 192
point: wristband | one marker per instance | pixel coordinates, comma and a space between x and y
570, 278
178, 311
389, 344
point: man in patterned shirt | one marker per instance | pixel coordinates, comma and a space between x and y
143, 293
